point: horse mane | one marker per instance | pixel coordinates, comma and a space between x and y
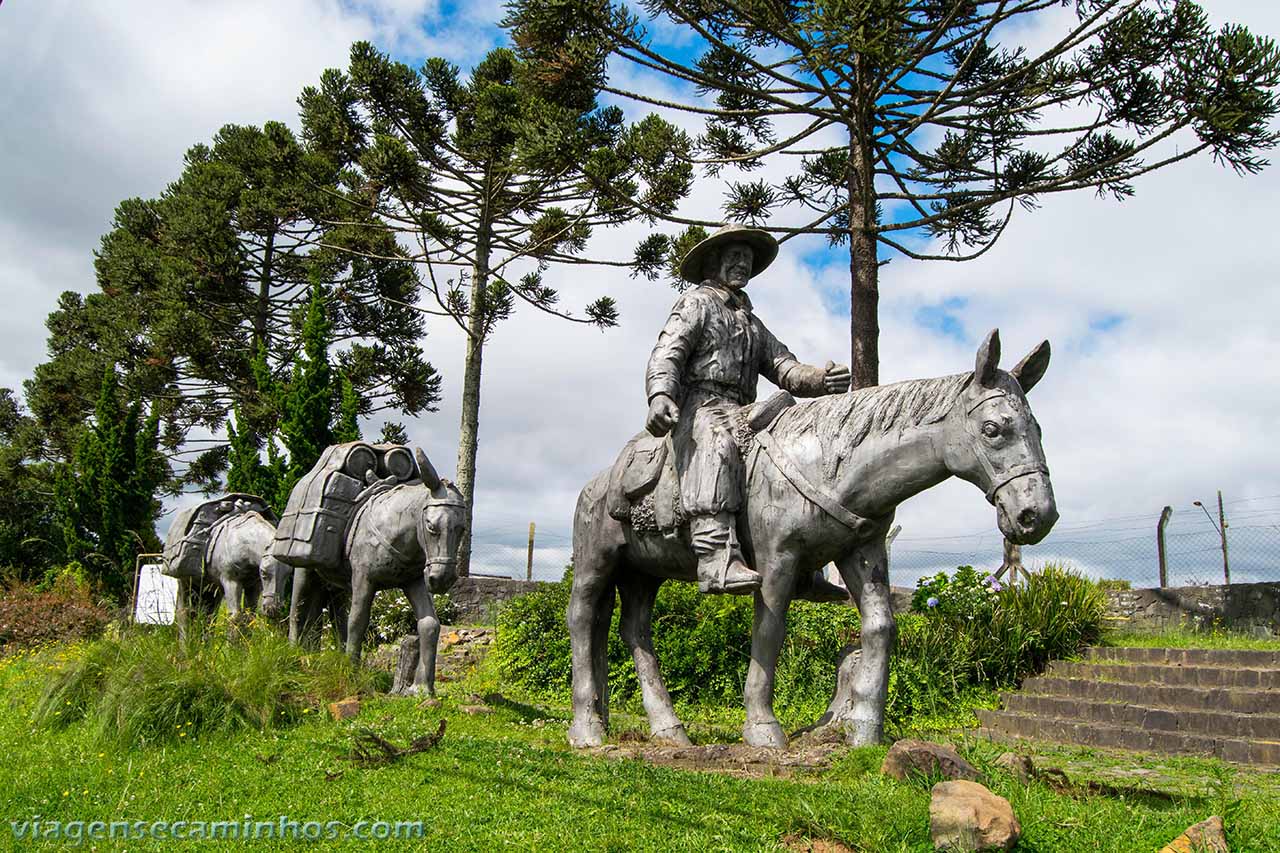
841, 422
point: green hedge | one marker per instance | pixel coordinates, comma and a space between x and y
703, 644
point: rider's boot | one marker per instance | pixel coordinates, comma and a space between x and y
720, 565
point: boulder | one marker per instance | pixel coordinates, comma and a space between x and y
965, 816
1017, 766
344, 708
1208, 836
919, 757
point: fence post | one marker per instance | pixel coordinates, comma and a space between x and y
1012, 563
1164, 560
528, 572
1222, 531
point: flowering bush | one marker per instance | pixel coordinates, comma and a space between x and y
62, 609
963, 595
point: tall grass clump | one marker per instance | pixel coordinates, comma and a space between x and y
146, 686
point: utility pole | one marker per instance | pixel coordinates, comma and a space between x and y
1222, 530
1221, 526
1164, 560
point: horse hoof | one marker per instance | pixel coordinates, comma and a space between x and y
585, 735
769, 735
674, 736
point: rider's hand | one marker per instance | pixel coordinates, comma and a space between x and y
837, 378
663, 414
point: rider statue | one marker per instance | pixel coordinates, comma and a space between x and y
702, 370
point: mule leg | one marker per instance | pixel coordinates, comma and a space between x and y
592, 595
231, 591
305, 607
768, 631
637, 593
358, 619
424, 677
862, 689
182, 608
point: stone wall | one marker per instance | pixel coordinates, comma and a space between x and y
1244, 607
474, 599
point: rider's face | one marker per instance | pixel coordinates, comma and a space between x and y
735, 265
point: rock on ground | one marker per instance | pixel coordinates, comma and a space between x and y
1018, 766
910, 757
1208, 836
964, 815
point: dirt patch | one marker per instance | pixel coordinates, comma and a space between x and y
735, 759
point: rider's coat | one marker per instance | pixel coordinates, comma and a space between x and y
708, 357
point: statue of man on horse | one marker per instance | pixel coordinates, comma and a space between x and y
703, 369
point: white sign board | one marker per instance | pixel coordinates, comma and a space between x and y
157, 596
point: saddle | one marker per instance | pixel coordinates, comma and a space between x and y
644, 486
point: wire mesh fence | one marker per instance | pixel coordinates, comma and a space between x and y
1118, 547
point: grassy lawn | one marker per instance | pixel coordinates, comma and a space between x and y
507, 780
1184, 639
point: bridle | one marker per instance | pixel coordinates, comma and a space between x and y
997, 478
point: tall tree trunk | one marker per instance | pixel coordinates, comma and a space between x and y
864, 269
263, 308
469, 431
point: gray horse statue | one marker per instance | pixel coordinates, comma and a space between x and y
822, 484
404, 537
221, 551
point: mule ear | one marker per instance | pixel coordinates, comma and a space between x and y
429, 475
1031, 368
988, 362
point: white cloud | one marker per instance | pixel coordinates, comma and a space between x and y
1175, 400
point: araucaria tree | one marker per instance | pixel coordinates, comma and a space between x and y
202, 293
492, 179
917, 128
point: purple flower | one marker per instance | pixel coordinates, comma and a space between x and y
991, 580
932, 602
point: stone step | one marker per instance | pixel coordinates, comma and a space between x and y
1148, 717
1227, 658
1168, 674
1005, 725
1230, 700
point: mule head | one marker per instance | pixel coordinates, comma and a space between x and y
276, 580
442, 519
995, 443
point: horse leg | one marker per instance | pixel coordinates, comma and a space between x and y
637, 593
424, 677
862, 689
768, 631
358, 618
182, 608
590, 607
231, 591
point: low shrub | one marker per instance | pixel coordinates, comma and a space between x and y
391, 616
145, 685
57, 610
1114, 584
978, 635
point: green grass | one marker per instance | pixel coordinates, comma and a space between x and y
1185, 639
507, 780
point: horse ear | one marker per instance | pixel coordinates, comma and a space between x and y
988, 361
429, 475
1031, 368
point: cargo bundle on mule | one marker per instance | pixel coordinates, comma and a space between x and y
313, 530
188, 538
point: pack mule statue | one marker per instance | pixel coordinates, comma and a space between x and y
400, 530
821, 480
220, 550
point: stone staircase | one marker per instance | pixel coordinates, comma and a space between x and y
1223, 703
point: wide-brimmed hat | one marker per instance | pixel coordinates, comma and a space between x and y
763, 247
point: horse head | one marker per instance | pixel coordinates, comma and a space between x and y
441, 522
994, 442
276, 577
